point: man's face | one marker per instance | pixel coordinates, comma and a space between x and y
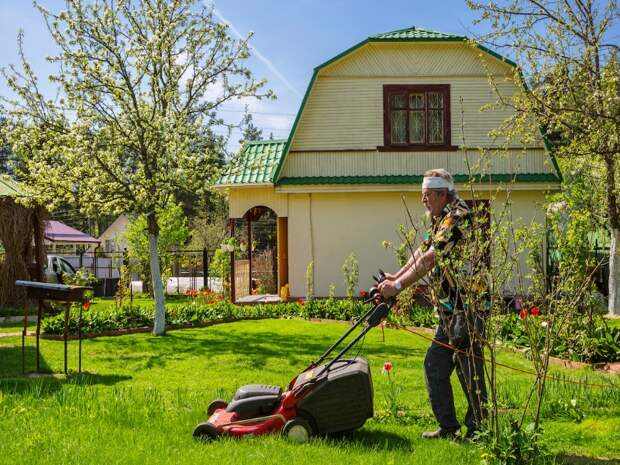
434, 200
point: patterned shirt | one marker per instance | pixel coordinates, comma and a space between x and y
447, 236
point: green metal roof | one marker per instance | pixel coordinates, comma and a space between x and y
416, 33
416, 179
255, 164
9, 187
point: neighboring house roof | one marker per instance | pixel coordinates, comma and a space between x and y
9, 187
55, 231
255, 164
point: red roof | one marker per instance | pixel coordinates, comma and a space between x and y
56, 231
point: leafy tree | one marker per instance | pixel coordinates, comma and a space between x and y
568, 59
173, 231
7, 158
140, 83
208, 227
249, 131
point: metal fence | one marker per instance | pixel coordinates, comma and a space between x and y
189, 270
600, 274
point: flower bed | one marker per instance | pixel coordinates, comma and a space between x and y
585, 343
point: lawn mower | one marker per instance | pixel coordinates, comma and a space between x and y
325, 398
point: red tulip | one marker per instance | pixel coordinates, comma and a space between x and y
387, 367
523, 314
535, 311
86, 305
363, 294
300, 301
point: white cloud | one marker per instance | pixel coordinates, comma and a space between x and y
257, 53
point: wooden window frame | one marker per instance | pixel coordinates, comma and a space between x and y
391, 89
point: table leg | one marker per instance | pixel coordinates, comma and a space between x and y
66, 331
39, 318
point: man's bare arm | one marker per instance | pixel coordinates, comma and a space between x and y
410, 264
423, 264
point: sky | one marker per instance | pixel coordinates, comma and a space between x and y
291, 38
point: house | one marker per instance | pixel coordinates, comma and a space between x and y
375, 118
113, 238
65, 240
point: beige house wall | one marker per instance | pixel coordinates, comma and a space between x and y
327, 227
241, 199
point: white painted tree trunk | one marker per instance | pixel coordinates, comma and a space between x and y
159, 328
613, 306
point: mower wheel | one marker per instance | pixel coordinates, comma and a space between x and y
298, 430
206, 432
216, 405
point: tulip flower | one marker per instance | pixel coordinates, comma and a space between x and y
387, 367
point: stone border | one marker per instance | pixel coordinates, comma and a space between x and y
145, 329
18, 319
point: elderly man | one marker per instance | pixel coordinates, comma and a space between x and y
440, 254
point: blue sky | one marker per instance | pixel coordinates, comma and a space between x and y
290, 39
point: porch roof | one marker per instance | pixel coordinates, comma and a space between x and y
256, 163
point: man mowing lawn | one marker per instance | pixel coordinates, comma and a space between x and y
439, 254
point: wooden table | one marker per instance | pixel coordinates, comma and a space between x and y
59, 292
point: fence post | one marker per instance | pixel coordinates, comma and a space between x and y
205, 269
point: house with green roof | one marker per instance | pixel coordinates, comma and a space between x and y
373, 119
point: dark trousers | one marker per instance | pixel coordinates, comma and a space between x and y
439, 364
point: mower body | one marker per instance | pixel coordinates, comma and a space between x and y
324, 401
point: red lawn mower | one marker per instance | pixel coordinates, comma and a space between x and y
324, 398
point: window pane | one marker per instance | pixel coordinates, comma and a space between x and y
416, 101
435, 100
416, 127
397, 101
397, 125
435, 126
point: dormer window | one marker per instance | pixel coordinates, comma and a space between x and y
417, 117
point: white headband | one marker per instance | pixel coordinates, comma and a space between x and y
435, 182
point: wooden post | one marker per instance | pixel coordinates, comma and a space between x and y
282, 237
232, 263
249, 254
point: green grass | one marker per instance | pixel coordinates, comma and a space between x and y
140, 300
142, 396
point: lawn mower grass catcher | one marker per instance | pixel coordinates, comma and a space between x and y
331, 397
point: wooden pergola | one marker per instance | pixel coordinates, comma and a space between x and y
252, 216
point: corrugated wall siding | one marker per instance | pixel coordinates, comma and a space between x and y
417, 59
347, 113
397, 163
344, 111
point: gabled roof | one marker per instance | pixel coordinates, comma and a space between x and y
411, 34
255, 165
416, 33
55, 231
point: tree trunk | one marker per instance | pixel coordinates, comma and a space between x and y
613, 306
159, 328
